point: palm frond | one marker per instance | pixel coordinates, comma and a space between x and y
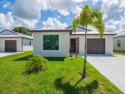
76, 22
90, 16
85, 15
96, 21
99, 26
96, 13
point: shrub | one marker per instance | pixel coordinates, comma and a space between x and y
36, 63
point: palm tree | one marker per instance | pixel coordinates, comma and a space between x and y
92, 17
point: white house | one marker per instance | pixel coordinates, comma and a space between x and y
60, 42
11, 41
119, 43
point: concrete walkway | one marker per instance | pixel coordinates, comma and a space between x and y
112, 67
8, 53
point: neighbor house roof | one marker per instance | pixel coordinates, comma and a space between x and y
14, 34
120, 35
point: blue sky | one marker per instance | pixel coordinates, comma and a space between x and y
39, 14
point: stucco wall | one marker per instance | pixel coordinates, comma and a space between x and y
81, 43
18, 42
64, 44
122, 44
108, 42
26, 44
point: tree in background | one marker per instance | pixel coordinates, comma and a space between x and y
23, 30
92, 17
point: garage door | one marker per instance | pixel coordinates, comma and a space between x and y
96, 46
10, 45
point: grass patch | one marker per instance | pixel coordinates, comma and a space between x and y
119, 53
62, 76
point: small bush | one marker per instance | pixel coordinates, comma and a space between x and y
36, 63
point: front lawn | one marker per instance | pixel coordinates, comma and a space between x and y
62, 76
119, 53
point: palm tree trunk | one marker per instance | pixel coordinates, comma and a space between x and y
85, 54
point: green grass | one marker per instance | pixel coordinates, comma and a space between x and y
62, 76
119, 53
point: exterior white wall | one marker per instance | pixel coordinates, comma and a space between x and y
122, 44
26, 44
64, 44
18, 43
108, 42
81, 43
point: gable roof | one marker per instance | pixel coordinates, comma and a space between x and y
79, 28
8, 33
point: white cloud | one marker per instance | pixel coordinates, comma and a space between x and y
95, 1
7, 21
7, 5
116, 26
122, 5
63, 12
31, 9
29, 13
77, 11
26, 14
111, 25
121, 26
27, 23
114, 16
64, 7
26, 9
53, 23
111, 9
78, 1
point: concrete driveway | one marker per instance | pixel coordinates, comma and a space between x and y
8, 53
112, 67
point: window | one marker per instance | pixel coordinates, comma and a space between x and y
50, 42
30, 43
118, 43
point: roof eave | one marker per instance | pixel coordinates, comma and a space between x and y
94, 34
49, 30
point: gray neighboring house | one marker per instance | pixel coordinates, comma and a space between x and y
11, 41
119, 43
60, 42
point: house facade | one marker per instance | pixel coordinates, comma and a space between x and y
11, 41
119, 43
62, 42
